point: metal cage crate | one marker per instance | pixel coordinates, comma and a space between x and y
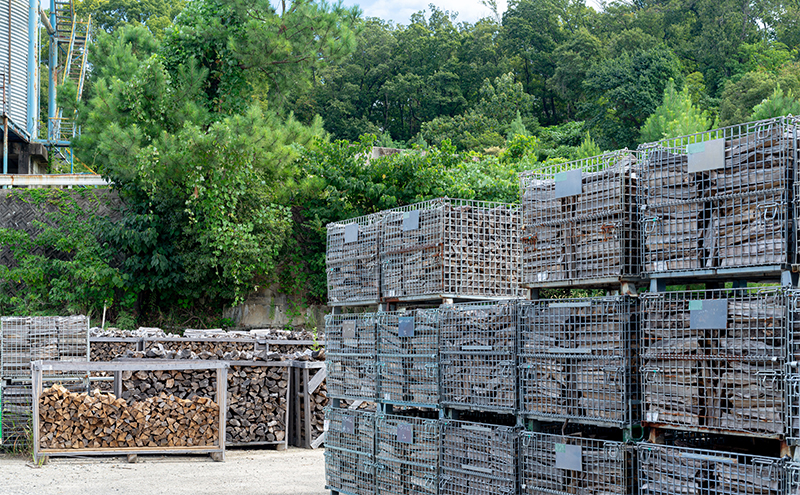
793, 478
718, 201
571, 464
450, 248
351, 356
407, 455
477, 364
352, 260
714, 360
27, 339
408, 357
350, 429
479, 459
667, 470
580, 222
349, 473
576, 360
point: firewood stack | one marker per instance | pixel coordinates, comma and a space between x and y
351, 355
257, 411
478, 458
352, 260
211, 346
102, 421
407, 454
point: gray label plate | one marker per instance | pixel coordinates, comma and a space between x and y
411, 220
569, 457
405, 326
349, 425
405, 433
569, 183
350, 233
349, 329
708, 155
708, 314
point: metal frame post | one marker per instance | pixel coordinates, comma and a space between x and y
33, 34
51, 81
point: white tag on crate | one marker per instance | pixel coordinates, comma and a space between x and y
652, 416
541, 277
405, 433
349, 329
350, 233
569, 457
326, 425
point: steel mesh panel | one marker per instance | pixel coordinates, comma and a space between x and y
51, 338
793, 478
478, 459
478, 356
454, 247
407, 453
349, 472
351, 377
588, 234
351, 353
727, 376
718, 198
408, 357
352, 260
350, 429
567, 464
669, 470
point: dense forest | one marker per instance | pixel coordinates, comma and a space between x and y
235, 130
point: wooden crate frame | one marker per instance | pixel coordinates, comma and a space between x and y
302, 421
117, 367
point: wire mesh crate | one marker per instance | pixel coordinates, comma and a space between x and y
478, 365
350, 451
667, 470
27, 339
793, 478
407, 455
352, 260
408, 357
715, 360
351, 356
349, 473
580, 222
719, 199
571, 464
450, 248
576, 360
479, 459
350, 429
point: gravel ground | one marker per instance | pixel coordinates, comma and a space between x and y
244, 472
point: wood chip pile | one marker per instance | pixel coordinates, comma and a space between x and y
102, 421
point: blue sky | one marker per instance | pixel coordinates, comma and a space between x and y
400, 10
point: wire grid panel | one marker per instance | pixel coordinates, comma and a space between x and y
351, 353
667, 470
580, 220
718, 198
352, 260
478, 459
348, 472
478, 356
569, 464
455, 247
407, 454
350, 429
793, 478
408, 357
714, 359
54, 338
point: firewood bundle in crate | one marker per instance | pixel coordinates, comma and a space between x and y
719, 200
576, 360
27, 339
715, 360
478, 366
667, 470
108, 349
478, 458
450, 248
408, 357
351, 356
407, 455
569, 463
350, 451
352, 260
580, 222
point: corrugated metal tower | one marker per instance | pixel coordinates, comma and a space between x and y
27, 141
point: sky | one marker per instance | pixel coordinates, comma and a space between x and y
399, 11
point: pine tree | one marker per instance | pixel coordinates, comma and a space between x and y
777, 105
676, 116
587, 148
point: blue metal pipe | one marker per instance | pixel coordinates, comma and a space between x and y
33, 32
51, 81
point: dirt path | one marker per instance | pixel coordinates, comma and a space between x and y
245, 472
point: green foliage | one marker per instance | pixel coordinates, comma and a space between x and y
777, 105
469, 131
676, 116
588, 148
109, 15
743, 94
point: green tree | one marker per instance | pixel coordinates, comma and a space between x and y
777, 105
676, 116
747, 91
109, 15
588, 148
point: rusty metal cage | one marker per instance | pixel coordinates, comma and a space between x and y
450, 248
479, 459
351, 355
718, 202
408, 357
577, 362
571, 464
667, 470
352, 261
714, 360
580, 222
407, 455
478, 356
